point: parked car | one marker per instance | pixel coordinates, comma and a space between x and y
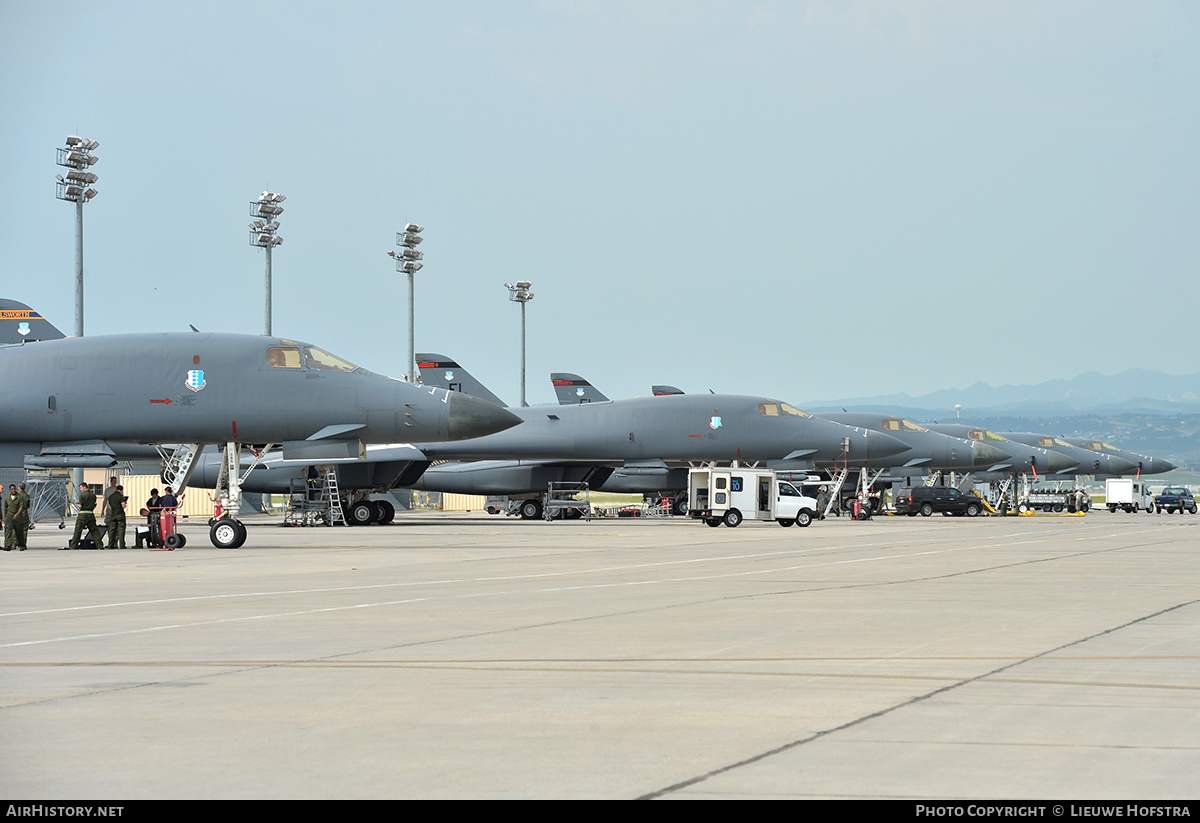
926, 500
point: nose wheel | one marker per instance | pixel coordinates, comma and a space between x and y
227, 534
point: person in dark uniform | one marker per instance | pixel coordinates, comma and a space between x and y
86, 518
152, 537
115, 517
10, 515
21, 521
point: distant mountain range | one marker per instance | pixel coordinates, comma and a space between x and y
1139, 391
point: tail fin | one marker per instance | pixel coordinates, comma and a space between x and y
659, 391
19, 324
440, 371
573, 390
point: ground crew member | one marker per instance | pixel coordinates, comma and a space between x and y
112, 487
152, 536
10, 515
21, 521
115, 517
86, 518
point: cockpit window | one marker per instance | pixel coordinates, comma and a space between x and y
985, 434
910, 426
316, 358
283, 357
1046, 442
768, 409
792, 411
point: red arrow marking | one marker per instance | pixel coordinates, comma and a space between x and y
164, 400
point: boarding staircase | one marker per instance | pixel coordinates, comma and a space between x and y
179, 465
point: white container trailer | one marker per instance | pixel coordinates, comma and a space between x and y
731, 495
1127, 493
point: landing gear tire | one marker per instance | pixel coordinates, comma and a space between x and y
680, 506
226, 534
387, 512
531, 510
733, 518
362, 513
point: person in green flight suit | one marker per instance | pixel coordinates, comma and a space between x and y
10, 514
21, 521
116, 517
86, 518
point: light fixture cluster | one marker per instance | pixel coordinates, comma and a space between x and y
519, 292
408, 256
265, 209
77, 156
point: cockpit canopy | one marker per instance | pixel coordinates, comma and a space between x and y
292, 355
774, 409
899, 424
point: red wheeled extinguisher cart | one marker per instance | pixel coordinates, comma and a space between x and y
167, 538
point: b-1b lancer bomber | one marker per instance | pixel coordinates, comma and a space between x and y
86, 396
641, 445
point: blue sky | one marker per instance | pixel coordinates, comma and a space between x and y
808, 200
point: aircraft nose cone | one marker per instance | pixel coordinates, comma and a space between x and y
470, 417
880, 445
986, 455
1157, 465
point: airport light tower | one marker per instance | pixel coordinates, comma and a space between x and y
76, 188
408, 261
262, 234
520, 293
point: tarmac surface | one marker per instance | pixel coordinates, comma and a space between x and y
474, 656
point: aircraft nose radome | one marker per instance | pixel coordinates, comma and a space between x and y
470, 417
880, 445
1157, 466
986, 455
1058, 462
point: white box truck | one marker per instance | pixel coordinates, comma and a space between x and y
1128, 493
731, 495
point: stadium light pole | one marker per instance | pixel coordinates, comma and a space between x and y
520, 293
407, 261
76, 188
262, 234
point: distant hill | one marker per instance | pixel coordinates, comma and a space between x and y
1141, 391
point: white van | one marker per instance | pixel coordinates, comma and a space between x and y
731, 495
1128, 493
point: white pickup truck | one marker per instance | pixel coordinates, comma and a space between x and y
731, 495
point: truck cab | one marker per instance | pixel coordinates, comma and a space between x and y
731, 495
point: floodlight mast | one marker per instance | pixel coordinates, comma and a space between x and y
520, 293
407, 261
76, 188
262, 234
